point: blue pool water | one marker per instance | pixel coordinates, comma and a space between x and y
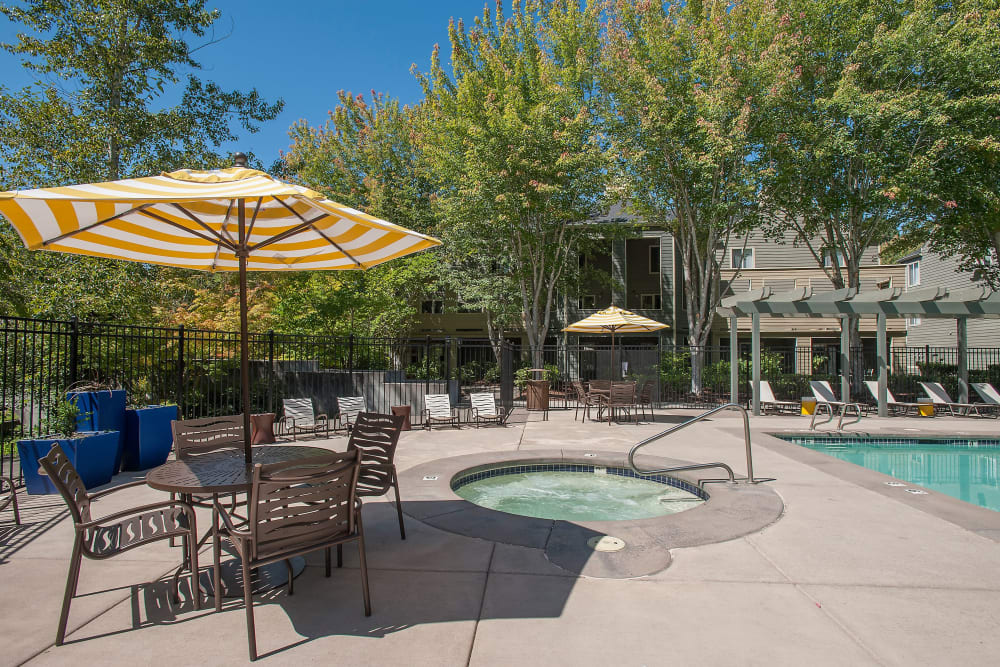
965, 468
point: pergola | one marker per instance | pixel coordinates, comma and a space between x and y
931, 302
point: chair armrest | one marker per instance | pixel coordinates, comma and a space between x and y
228, 521
101, 494
322, 416
139, 510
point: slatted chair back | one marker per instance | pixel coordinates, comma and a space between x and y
375, 436
581, 393
936, 392
294, 504
646, 395
485, 404
438, 406
823, 392
623, 393
300, 410
211, 434
350, 406
67, 481
600, 385
987, 392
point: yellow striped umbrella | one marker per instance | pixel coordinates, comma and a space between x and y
614, 320
235, 219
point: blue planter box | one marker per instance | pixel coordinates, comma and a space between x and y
148, 436
102, 411
91, 453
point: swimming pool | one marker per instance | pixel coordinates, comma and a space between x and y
964, 468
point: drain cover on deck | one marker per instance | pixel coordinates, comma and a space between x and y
606, 543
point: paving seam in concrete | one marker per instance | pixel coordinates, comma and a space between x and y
482, 605
832, 617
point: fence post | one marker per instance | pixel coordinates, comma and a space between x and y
74, 350
180, 370
447, 366
350, 362
427, 365
270, 368
962, 335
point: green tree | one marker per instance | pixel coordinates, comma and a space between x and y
689, 88
367, 156
511, 135
96, 112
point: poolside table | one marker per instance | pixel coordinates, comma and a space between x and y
223, 473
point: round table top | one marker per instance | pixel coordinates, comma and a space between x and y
221, 472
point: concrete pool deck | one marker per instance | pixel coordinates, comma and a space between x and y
854, 572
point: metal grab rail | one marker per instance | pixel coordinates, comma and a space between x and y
698, 466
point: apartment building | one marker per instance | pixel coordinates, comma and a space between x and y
641, 273
926, 268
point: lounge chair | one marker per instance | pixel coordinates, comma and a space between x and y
987, 392
484, 409
438, 410
825, 398
299, 416
349, 407
768, 400
896, 406
940, 396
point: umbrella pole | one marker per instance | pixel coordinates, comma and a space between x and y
611, 371
244, 336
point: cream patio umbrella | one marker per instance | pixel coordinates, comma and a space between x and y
235, 219
615, 320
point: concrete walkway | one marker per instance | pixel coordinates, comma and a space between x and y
855, 572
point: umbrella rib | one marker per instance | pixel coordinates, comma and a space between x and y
57, 239
284, 235
256, 210
222, 230
337, 246
199, 222
192, 232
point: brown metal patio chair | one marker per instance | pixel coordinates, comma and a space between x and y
646, 397
622, 397
119, 532
376, 436
583, 400
484, 409
9, 497
194, 437
438, 410
296, 507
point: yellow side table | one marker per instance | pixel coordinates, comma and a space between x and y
808, 405
926, 407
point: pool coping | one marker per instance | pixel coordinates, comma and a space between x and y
729, 512
982, 521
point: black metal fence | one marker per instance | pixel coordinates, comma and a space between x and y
199, 371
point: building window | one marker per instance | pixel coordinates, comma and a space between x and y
654, 259
913, 274
912, 322
587, 302
432, 306
742, 258
650, 302
830, 253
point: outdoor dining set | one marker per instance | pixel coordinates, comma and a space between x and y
613, 399
268, 510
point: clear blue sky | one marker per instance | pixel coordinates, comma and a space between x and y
304, 51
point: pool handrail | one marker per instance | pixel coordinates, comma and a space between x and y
698, 466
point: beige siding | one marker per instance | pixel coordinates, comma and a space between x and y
937, 271
786, 254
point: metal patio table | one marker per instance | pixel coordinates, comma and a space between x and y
223, 473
